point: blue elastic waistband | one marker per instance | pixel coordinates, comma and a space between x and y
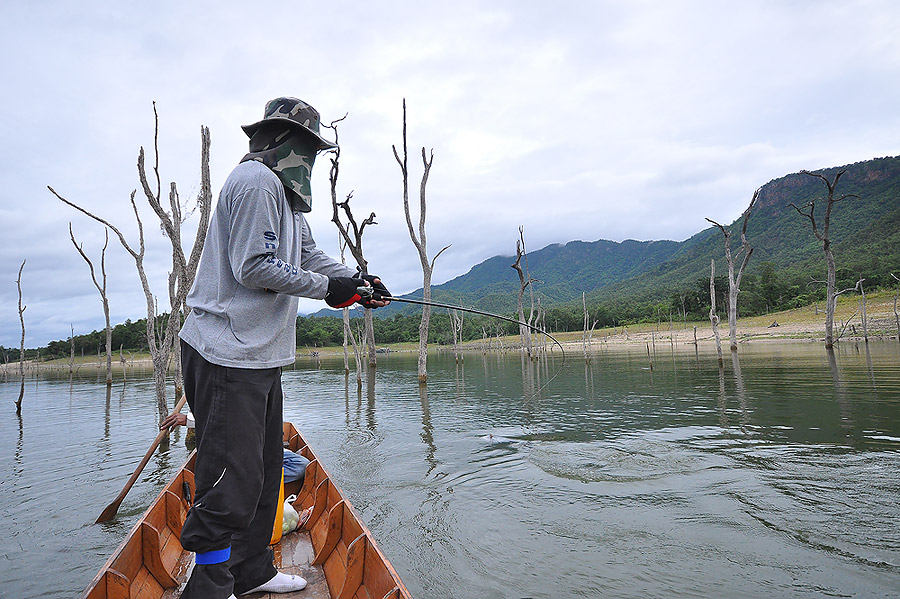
213, 557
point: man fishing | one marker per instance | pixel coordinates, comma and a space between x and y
259, 257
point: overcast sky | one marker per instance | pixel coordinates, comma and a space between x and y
577, 120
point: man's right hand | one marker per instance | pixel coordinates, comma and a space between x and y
342, 291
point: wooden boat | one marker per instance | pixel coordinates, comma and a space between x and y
333, 550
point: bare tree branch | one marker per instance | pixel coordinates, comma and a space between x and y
846, 324
810, 214
101, 289
443, 249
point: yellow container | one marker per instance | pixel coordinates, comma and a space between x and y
279, 514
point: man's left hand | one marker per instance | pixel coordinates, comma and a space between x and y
376, 300
174, 419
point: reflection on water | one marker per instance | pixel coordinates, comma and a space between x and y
427, 430
776, 475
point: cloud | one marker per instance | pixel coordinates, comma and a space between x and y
588, 120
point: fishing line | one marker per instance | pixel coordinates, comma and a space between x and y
368, 292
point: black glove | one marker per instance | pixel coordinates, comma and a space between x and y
380, 291
342, 291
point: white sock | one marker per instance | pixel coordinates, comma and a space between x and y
280, 583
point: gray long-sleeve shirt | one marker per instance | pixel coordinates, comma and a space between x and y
259, 256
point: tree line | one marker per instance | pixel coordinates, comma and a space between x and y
128, 336
768, 289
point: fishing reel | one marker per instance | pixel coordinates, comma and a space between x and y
366, 292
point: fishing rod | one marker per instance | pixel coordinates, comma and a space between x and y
369, 292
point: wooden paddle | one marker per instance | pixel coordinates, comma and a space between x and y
110, 512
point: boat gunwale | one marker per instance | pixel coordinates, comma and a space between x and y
137, 525
296, 441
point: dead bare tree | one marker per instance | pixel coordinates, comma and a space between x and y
734, 282
525, 282
21, 344
896, 314
456, 325
844, 325
588, 332
183, 269
420, 242
348, 331
713, 317
72, 350
541, 321
824, 235
352, 235
862, 308
357, 251
103, 297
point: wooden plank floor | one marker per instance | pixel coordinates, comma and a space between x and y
292, 556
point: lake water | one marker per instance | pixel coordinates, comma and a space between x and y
778, 476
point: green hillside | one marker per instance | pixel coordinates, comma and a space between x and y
864, 233
562, 271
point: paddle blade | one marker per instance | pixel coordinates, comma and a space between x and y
109, 513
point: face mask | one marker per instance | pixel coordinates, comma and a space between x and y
289, 154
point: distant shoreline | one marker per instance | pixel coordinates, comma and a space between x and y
799, 324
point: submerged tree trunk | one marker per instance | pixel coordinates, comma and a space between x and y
184, 268
456, 324
525, 281
713, 317
369, 327
830, 295
588, 333
896, 314
353, 242
72, 350
21, 344
419, 241
103, 297
734, 282
862, 310
348, 331
357, 351
824, 235
424, 325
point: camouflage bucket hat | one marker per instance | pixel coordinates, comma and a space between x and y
295, 112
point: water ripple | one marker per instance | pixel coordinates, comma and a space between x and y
780, 479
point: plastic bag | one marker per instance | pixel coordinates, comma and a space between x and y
291, 519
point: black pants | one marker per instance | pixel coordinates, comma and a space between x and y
238, 414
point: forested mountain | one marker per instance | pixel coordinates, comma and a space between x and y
865, 232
